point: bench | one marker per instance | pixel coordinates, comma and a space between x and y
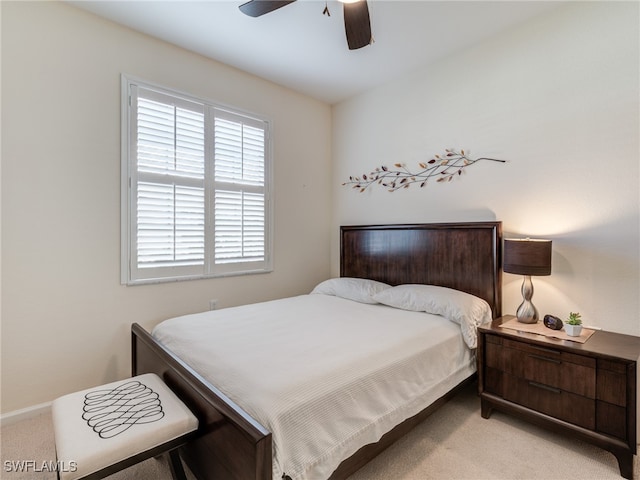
105, 429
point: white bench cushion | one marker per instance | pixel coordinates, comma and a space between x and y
103, 425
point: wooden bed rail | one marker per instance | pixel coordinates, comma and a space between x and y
232, 443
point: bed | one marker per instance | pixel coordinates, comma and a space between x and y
233, 444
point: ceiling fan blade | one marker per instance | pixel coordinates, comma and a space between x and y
256, 8
357, 24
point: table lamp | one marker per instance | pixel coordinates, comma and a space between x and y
527, 257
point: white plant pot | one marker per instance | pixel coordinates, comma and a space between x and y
573, 330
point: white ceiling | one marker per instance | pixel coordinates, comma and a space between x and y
300, 48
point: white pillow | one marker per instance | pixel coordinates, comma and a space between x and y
459, 307
357, 289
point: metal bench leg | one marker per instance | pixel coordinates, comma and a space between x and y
175, 464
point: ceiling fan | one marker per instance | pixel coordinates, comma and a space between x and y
357, 24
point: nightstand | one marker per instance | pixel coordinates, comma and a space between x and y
588, 390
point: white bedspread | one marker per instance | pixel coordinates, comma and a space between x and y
324, 375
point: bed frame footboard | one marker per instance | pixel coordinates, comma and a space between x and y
230, 443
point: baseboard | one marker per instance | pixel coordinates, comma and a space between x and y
10, 418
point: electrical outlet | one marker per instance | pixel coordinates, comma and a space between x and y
213, 304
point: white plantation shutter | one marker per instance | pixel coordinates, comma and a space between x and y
170, 196
197, 202
239, 189
170, 135
239, 145
170, 225
239, 226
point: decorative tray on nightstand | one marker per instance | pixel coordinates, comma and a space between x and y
540, 329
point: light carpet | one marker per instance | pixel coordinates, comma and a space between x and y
454, 443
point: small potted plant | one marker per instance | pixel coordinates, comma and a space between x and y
573, 325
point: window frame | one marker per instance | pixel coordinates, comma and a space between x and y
130, 273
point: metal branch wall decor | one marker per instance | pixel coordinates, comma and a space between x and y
444, 167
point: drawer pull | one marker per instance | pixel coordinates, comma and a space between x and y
546, 350
546, 359
545, 387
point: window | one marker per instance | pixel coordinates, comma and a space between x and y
195, 180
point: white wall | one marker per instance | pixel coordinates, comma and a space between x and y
65, 316
558, 98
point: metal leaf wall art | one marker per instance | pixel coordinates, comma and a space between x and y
443, 168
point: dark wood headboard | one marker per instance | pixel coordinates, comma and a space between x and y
465, 256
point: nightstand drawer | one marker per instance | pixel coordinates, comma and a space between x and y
552, 401
541, 367
566, 371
